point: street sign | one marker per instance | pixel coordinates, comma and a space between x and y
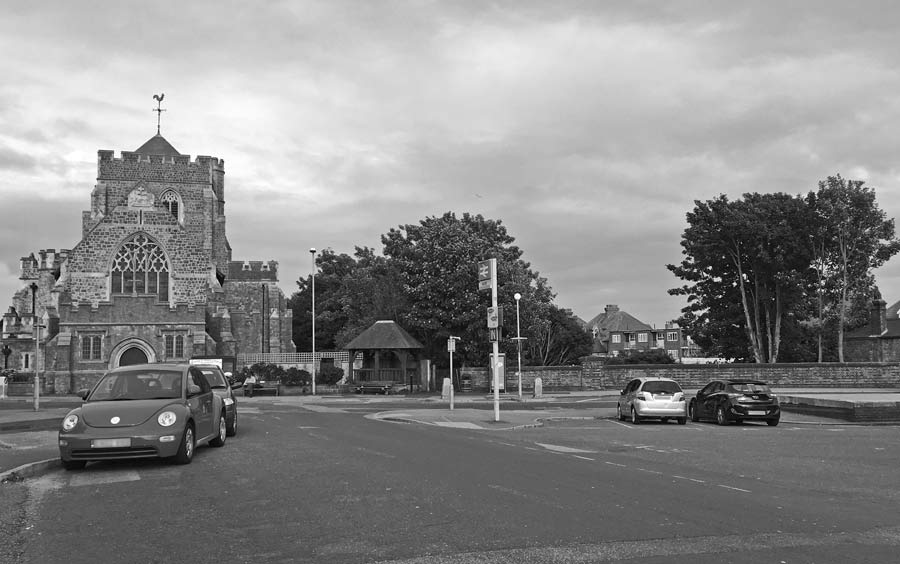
493, 317
451, 345
494, 334
486, 274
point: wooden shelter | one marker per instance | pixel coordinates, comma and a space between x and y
389, 354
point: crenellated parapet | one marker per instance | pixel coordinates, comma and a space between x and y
46, 260
157, 168
252, 270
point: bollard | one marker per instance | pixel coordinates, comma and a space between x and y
538, 388
445, 390
2, 387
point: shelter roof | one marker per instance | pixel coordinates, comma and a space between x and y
384, 334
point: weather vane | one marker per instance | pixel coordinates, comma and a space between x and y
158, 110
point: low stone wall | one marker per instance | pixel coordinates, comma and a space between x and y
594, 375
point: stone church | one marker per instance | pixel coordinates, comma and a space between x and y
151, 280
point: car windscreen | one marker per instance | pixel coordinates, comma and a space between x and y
138, 385
215, 378
749, 388
661, 387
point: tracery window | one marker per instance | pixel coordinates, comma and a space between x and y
140, 267
172, 202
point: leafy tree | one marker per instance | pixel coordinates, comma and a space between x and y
852, 238
556, 338
436, 262
746, 263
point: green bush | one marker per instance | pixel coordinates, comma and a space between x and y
263, 372
293, 376
329, 374
653, 356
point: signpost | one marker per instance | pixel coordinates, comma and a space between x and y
451, 348
487, 279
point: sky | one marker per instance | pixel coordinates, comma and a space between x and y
589, 128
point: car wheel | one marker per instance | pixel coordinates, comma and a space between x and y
74, 464
232, 429
695, 417
772, 422
619, 413
219, 441
682, 420
721, 418
635, 418
186, 448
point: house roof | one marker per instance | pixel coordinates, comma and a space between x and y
617, 320
384, 334
893, 310
157, 145
892, 326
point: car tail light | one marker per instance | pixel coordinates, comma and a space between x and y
679, 396
643, 396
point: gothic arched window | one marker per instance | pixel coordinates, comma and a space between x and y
140, 267
172, 202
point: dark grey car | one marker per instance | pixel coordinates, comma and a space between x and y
219, 384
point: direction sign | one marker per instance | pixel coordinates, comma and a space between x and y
493, 317
487, 274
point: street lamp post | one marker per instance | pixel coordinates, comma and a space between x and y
518, 297
35, 329
312, 277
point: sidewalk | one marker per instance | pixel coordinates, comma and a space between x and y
28, 437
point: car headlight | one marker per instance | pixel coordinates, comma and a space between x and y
166, 418
228, 401
69, 422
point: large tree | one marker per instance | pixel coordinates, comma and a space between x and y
853, 236
746, 264
427, 281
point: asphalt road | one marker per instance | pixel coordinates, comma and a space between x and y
332, 484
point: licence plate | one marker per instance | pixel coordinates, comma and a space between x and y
752, 412
110, 443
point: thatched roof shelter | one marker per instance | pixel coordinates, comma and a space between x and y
390, 354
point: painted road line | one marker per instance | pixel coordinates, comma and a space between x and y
583, 457
564, 449
734, 488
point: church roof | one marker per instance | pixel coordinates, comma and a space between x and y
384, 335
157, 145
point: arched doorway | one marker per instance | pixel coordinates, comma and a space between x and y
133, 355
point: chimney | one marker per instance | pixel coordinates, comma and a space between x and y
612, 308
878, 317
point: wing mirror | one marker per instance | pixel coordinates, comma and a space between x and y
83, 394
193, 390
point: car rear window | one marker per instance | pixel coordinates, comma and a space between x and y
661, 387
749, 388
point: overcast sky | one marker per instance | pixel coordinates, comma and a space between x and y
588, 128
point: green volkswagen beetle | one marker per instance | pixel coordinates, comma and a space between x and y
143, 411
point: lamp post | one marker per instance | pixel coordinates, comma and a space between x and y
518, 297
35, 329
312, 277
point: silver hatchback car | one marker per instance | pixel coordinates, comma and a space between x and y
659, 398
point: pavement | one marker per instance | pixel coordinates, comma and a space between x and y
28, 436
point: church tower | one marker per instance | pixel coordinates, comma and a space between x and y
151, 280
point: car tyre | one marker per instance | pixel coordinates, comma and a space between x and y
74, 464
635, 418
232, 429
721, 418
682, 420
695, 417
219, 441
186, 448
772, 422
619, 413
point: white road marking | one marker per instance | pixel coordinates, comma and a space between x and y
690, 479
583, 457
558, 448
649, 471
614, 464
733, 488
